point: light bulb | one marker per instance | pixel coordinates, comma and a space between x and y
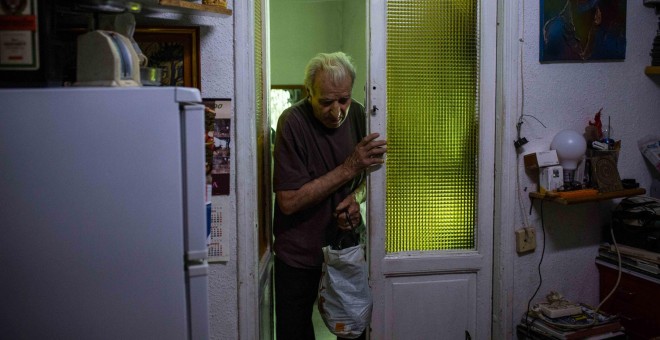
570, 147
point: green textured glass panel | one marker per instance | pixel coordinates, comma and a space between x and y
432, 125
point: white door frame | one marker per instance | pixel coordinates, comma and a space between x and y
509, 106
246, 165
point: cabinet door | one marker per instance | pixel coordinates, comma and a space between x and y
636, 300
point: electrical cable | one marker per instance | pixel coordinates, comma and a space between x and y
521, 203
520, 141
521, 88
594, 316
529, 302
619, 269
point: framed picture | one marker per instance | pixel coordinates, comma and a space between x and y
575, 30
175, 49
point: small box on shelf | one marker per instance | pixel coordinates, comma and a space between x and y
541, 159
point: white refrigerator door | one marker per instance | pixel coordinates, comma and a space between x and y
95, 195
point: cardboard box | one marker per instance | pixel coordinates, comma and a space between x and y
541, 159
551, 178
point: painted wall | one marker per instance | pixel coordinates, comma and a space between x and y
567, 96
301, 29
354, 43
217, 70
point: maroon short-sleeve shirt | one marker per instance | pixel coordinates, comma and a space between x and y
304, 150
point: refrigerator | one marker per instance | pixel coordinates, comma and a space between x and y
103, 214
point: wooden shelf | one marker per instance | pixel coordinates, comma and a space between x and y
187, 7
652, 70
554, 197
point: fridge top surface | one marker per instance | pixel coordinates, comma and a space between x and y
180, 94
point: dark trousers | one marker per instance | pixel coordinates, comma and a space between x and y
296, 290
295, 293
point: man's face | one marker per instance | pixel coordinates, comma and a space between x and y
331, 101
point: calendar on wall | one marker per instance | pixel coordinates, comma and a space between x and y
216, 243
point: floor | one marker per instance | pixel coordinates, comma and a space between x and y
320, 329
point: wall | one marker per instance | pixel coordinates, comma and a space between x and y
301, 29
567, 96
217, 69
354, 43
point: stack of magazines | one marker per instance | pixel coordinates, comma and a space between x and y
634, 259
585, 325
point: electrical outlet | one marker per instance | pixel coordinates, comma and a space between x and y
525, 240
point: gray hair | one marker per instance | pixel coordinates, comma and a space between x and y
337, 65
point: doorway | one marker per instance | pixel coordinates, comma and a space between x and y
298, 30
456, 276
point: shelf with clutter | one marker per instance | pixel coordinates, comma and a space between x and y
585, 195
581, 168
652, 70
205, 8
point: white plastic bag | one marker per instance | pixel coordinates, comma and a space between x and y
344, 298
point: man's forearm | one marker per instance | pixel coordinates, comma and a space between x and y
315, 191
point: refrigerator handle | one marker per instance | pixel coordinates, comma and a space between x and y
194, 181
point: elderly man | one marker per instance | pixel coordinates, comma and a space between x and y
321, 154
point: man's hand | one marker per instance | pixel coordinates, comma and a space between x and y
352, 207
368, 152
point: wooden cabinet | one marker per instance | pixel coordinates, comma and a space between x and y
636, 300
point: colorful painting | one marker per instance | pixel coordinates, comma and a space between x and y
582, 30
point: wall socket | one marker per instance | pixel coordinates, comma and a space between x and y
525, 240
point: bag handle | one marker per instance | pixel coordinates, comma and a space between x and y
346, 238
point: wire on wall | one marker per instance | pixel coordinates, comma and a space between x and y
529, 302
520, 140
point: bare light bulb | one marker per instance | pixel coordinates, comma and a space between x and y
570, 146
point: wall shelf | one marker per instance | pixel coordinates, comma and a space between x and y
187, 7
556, 198
652, 70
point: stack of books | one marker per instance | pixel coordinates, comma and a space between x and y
585, 325
634, 259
